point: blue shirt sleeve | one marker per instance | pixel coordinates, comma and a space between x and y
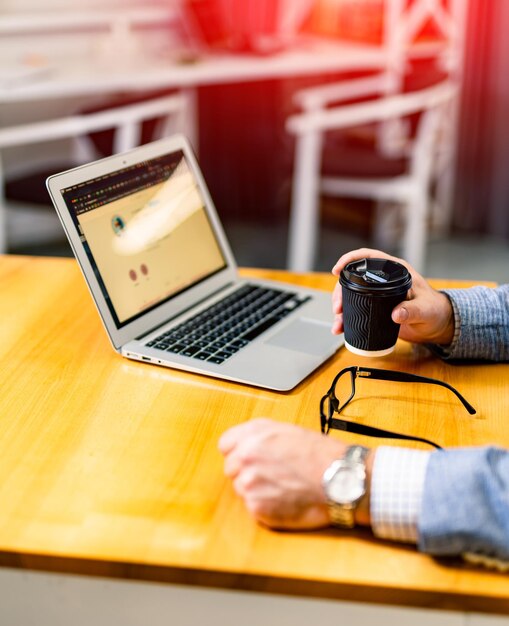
482, 323
465, 506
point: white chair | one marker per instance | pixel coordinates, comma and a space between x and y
402, 40
401, 46
126, 121
403, 24
411, 188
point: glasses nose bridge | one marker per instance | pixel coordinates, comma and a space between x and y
333, 405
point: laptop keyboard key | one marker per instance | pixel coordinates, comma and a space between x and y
176, 348
203, 356
223, 355
190, 351
215, 359
239, 343
261, 328
231, 349
217, 345
201, 344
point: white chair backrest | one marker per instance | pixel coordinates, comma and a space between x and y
410, 188
374, 111
126, 120
404, 22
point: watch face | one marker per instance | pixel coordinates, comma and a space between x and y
347, 485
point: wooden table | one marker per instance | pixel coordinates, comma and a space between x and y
110, 468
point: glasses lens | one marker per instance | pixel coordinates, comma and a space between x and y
343, 389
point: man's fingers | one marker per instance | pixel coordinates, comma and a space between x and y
232, 465
337, 325
362, 253
400, 315
407, 312
337, 299
228, 440
235, 434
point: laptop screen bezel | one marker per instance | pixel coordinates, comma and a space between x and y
169, 308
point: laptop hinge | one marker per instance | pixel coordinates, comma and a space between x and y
184, 311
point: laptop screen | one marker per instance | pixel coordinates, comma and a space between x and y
146, 232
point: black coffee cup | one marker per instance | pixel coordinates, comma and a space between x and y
371, 289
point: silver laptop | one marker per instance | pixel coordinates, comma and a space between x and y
151, 247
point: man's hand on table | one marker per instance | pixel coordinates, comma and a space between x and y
277, 469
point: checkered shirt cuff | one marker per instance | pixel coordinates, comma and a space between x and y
396, 492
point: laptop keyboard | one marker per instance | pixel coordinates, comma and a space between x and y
226, 327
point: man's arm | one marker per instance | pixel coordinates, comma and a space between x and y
466, 503
449, 502
481, 319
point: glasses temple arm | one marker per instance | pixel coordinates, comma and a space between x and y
403, 377
371, 431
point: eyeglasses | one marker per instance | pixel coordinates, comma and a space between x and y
334, 405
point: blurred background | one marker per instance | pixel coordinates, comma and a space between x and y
270, 89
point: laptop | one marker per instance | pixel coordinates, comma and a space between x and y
151, 247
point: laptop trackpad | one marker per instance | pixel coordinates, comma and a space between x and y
312, 337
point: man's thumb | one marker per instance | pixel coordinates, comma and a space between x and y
401, 314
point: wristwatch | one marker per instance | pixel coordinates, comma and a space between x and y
344, 484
